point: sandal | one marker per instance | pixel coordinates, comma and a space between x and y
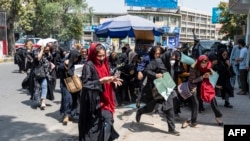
219, 122
185, 124
194, 125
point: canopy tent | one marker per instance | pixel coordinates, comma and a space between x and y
128, 26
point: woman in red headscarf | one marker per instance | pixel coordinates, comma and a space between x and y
199, 73
97, 103
207, 90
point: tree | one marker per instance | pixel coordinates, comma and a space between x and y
11, 7
62, 19
26, 18
231, 24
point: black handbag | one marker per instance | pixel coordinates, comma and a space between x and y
39, 72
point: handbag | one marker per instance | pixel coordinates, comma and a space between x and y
73, 83
39, 72
207, 91
184, 90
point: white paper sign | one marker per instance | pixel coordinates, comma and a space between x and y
78, 69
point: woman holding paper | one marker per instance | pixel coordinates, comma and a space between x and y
199, 73
97, 103
154, 70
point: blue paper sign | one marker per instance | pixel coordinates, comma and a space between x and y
216, 15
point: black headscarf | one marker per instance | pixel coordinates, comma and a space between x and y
220, 54
153, 50
73, 54
61, 50
166, 56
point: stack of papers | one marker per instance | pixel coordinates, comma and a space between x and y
78, 69
165, 85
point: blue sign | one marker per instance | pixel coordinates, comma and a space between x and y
166, 29
93, 27
168, 4
216, 15
173, 41
176, 30
157, 39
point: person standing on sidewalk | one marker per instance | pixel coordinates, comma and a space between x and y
243, 67
235, 53
97, 102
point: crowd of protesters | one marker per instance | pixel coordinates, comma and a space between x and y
127, 77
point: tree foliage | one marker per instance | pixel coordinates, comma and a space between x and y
231, 24
11, 7
61, 19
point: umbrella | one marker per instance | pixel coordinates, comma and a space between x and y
128, 25
44, 42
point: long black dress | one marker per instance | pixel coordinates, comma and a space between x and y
92, 119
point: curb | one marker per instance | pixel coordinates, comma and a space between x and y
7, 59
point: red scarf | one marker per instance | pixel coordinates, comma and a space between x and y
199, 61
207, 89
102, 68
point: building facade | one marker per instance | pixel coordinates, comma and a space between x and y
177, 24
198, 21
242, 7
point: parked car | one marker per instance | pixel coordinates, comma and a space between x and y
20, 42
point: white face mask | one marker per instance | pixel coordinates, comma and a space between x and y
172, 62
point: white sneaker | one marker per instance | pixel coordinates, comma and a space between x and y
43, 105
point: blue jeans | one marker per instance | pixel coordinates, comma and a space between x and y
44, 88
236, 77
41, 89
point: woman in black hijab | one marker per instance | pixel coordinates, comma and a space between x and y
225, 73
69, 100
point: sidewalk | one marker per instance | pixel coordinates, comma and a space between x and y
6, 59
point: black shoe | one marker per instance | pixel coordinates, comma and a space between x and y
176, 133
138, 116
138, 104
228, 105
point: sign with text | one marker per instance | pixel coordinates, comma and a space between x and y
216, 15
168, 4
236, 132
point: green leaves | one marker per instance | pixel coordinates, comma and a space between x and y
61, 19
231, 23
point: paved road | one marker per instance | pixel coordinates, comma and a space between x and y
19, 122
